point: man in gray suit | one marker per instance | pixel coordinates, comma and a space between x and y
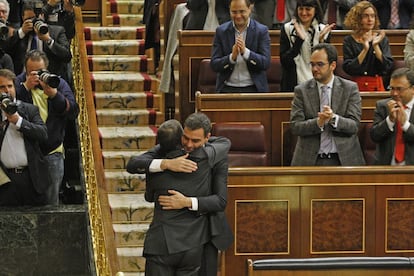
325, 115
191, 203
391, 112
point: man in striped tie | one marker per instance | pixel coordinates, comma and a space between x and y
325, 115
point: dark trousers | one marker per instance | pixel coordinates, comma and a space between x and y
209, 260
186, 263
20, 191
233, 89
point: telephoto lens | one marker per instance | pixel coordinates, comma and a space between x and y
40, 26
7, 104
4, 30
50, 79
78, 2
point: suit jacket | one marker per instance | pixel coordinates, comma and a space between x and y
405, 9
346, 103
385, 138
58, 54
61, 108
198, 13
257, 41
34, 132
211, 195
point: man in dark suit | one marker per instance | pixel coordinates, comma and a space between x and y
391, 115
57, 106
53, 43
20, 154
198, 11
325, 115
405, 8
241, 52
196, 136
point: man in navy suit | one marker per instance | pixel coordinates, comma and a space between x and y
405, 9
196, 136
241, 52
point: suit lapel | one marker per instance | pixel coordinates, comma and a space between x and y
336, 95
313, 96
250, 34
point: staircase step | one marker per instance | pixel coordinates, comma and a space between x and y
117, 33
118, 159
130, 259
125, 7
123, 81
131, 207
139, 138
127, 100
130, 234
116, 47
129, 117
125, 20
118, 63
122, 181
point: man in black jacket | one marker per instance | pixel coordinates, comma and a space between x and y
20, 154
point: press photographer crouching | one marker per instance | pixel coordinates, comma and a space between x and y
23, 174
57, 105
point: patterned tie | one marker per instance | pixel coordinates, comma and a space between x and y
326, 138
280, 10
395, 19
33, 44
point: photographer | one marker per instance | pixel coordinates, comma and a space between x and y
21, 159
35, 34
57, 14
57, 105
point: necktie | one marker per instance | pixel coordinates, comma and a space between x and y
331, 11
326, 138
399, 143
33, 44
395, 19
280, 10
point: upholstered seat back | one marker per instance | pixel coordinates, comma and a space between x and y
248, 146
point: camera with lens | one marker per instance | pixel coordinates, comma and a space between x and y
50, 79
7, 104
40, 26
4, 31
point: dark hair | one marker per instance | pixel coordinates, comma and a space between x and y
8, 74
330, 50
310, 3
36, 55
169, 135
198, 120
248, 2
401, 72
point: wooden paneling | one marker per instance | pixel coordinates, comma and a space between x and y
196, 45
329, 212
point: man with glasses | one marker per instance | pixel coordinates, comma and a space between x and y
241, 52
393, 128
325, 115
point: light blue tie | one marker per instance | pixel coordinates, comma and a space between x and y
326, 136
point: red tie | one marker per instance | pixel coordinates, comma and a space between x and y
280, 10
399, 143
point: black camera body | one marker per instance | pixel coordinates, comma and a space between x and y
78, 2
40, 26
50, 79
7, 104
4, 30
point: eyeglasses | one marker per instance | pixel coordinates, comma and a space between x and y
318, 64
398, 89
